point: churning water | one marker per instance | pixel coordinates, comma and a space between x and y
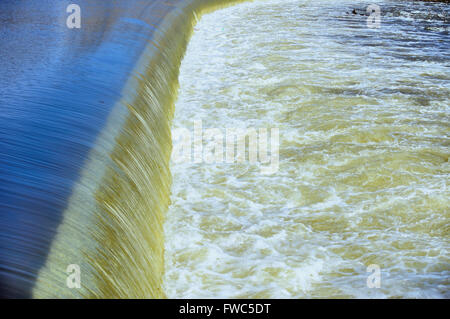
363, 118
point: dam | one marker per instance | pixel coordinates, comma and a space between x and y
85, 143
355, 118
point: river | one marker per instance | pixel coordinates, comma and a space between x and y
362, 180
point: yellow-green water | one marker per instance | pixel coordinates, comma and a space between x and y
364, 144
112, 224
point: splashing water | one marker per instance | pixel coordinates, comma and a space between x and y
364, 143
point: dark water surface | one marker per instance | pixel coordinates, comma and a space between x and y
57, 87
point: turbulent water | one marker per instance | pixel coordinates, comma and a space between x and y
363, 119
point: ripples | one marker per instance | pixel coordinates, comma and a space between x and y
364, 136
